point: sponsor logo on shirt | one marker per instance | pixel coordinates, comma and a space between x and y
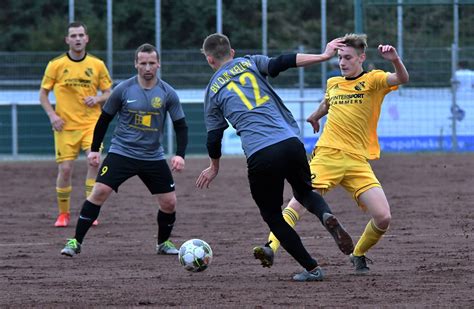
89, 72
156, 102
360, 86
144, 120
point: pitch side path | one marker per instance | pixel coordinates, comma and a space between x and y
425, 259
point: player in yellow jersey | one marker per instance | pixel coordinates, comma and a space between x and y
75, 77
353, 103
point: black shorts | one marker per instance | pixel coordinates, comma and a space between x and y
268, 169
116, 169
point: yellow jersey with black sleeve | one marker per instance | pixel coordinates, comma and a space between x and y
354, 110
72, 81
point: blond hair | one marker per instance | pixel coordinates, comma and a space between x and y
357, 41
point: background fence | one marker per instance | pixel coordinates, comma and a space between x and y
431, 113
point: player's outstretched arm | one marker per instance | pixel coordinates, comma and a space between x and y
400, 76
214, 145
319, 113
303, 60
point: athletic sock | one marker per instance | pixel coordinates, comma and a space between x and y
90, 182
64, 199
315, 204
290, 240
290, 216
165, 225
89, 214
369, 238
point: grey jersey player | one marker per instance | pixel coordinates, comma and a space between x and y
239, 93
141, 103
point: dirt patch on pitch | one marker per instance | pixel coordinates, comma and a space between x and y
424, 260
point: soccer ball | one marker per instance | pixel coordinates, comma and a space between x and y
195, 255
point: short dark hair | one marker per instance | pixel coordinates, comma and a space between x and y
216, 45
76, 24
357, 41
146, 48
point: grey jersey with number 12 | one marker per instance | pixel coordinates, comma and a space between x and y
141, 118
240, 93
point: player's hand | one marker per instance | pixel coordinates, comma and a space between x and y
56, 122
333, 46
206, 177
177, 164
314, 123
388, 52
90, 101
93, 158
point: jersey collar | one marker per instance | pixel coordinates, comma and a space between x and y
354, 78
79, 60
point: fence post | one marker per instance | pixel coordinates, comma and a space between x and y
71, 11
301, 87
324, 39
110, 42
359, 16
14, 121
454, 66
454, 86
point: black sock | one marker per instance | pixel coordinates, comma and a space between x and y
88, 215
290, 240
165, 225
315, 204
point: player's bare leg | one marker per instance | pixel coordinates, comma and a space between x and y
377, 206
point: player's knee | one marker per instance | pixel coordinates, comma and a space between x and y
168, 203
382, 221
65, 171
100, 193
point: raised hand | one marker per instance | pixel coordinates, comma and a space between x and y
388, 52
333, 46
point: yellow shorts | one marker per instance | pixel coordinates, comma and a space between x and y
68, 144
330, 167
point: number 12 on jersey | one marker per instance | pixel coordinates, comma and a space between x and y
259, 100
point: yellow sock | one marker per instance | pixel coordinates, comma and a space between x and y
90, 182
369, 238
64, 199
290, 216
